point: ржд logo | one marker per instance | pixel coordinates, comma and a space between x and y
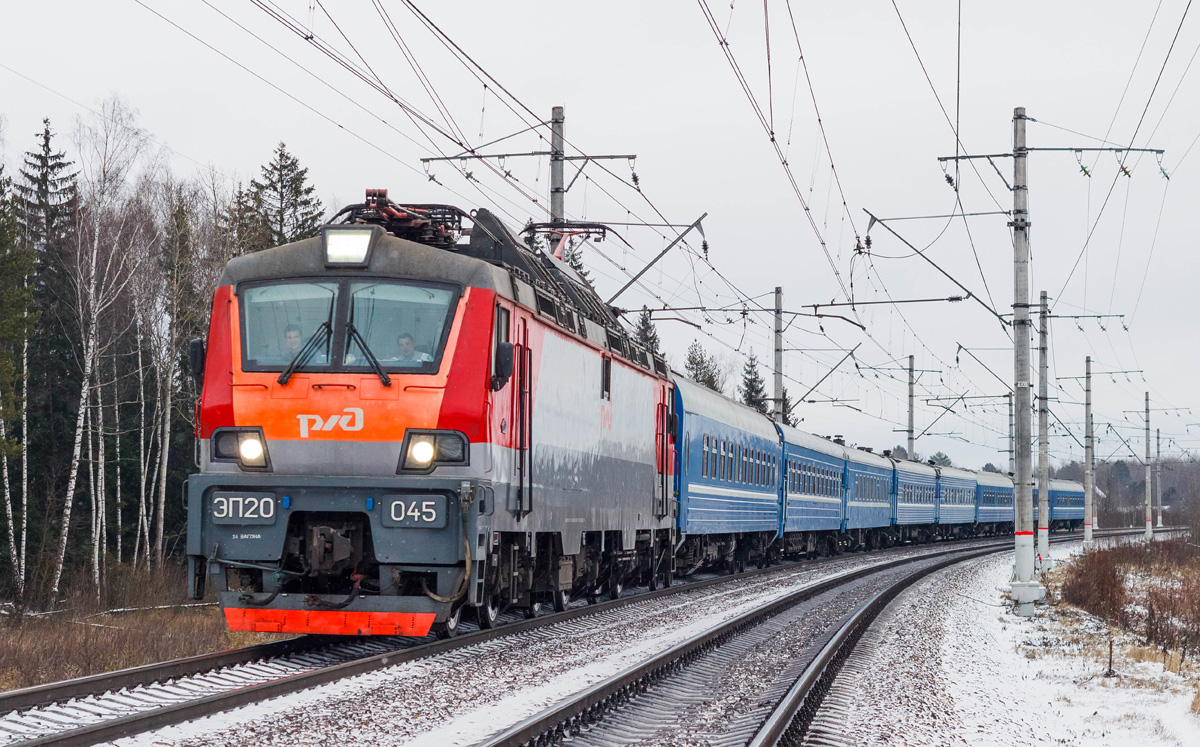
351, 421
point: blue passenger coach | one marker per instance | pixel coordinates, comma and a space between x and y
916, 495
729, 487
870, 489
814, 473
1066, 504
994, 497
956, 498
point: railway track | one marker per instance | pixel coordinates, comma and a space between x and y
106, 707
757, 679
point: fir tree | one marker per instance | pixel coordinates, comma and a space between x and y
899, 452
45, 194
753, 390
702, 367
244, 224
286, 201
789, 415
574, 257
941, 460
989, 467
645, 332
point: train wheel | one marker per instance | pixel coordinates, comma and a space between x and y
488, 613
533, 610
449, 628
562, 600
615, 587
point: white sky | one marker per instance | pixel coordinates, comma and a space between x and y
650, 79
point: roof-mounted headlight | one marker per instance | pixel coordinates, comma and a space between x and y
347, 246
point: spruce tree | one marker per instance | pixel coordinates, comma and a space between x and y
753, 389
244, 224
941, 459
45, 194
789, 415
286, 200
574, 257
646, 334
47, 203
702, 367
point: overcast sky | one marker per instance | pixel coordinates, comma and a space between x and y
650, 79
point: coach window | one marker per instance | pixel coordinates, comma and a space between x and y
704, 456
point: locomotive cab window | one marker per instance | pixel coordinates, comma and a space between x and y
342, 324
281, 320
401, 325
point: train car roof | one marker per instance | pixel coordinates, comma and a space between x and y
994, 479
961, 474
797, 437
1066, 485
908, 465
700, 400
388, 256
858, 456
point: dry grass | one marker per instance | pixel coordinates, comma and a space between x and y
1196, 702
82, 640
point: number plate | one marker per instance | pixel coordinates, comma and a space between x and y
420, 511
242, 508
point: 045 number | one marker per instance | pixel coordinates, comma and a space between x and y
423, 512
239, 507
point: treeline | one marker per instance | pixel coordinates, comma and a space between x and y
108, 261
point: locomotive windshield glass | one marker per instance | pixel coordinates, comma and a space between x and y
282, 318
403, 324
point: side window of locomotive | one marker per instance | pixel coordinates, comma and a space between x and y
279, 319
500, 333
606, 377
403, 325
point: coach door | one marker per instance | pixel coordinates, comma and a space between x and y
662, 440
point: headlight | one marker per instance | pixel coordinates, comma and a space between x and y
246, 446
423, 450
251, 449
420, 451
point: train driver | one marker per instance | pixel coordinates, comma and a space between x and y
409, 355
293, 341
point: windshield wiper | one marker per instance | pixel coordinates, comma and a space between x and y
366, 351
319, 335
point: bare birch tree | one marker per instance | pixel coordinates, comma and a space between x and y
107, 250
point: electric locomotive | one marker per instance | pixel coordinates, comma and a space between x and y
415, 414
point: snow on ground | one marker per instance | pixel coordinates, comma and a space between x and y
950, 664
462, 697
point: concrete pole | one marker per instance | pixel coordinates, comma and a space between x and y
1158, 473
557, 154
1043, 539
912, 442
780, 405
1149, 523
1012, 469
1025, 588
1089, 476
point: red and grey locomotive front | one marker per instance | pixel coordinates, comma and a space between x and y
369, 447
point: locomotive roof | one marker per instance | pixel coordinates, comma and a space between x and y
701, 400
389, 256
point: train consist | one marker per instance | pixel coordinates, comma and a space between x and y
414, 414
